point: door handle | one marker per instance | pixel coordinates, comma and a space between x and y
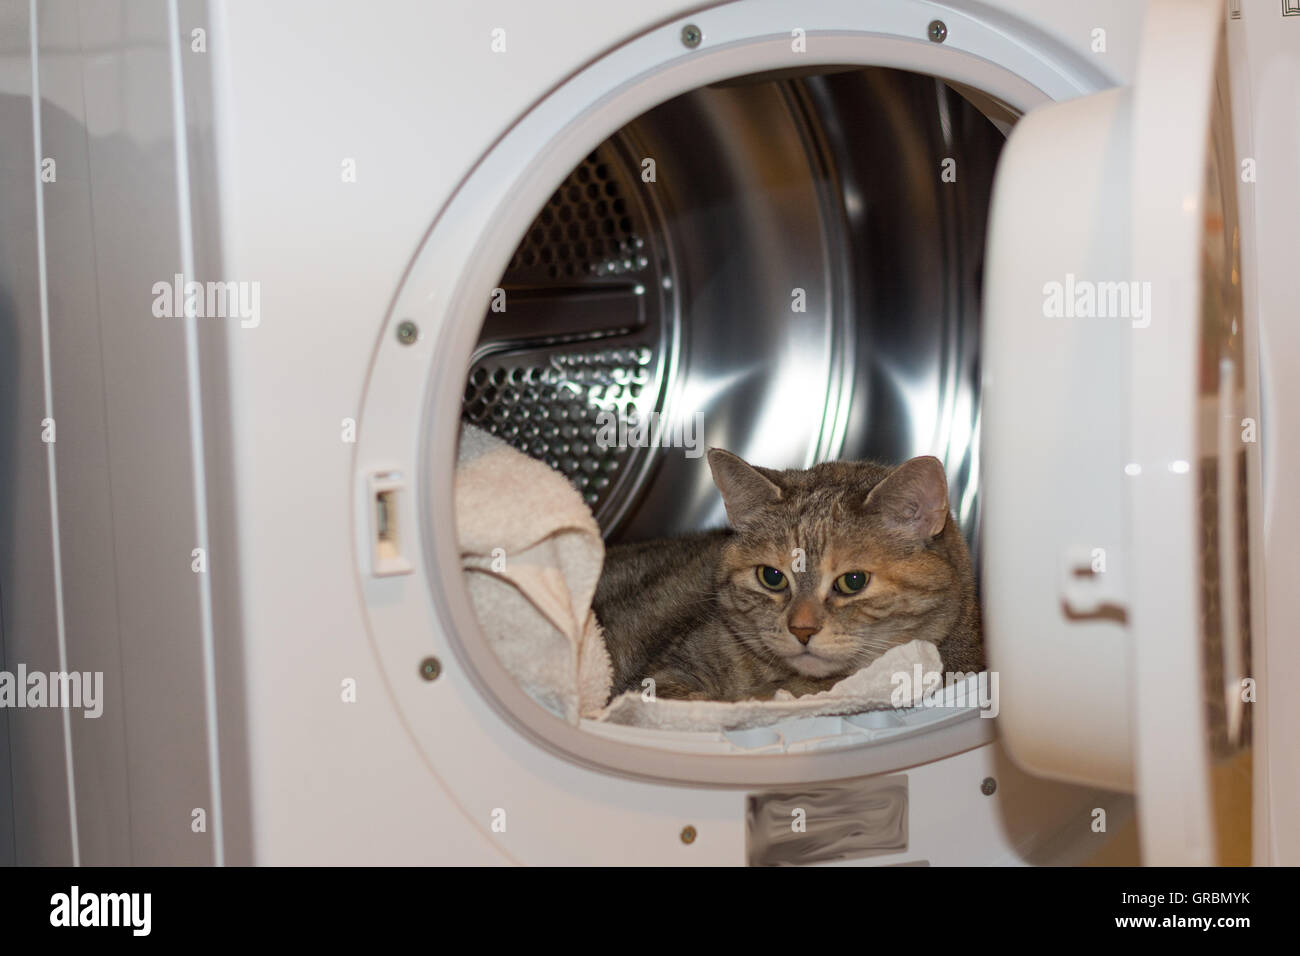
1089, 585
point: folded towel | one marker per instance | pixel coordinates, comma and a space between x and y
871, 688
532, 554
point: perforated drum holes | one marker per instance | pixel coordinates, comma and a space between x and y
586, 229
550, 411
577, 337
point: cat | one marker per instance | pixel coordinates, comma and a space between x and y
737, 614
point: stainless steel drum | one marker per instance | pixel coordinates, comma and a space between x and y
792, 261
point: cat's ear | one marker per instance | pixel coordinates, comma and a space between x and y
743, 486
914, 498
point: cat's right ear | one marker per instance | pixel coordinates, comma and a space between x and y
744, 488
913, 498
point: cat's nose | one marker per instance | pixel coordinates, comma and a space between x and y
803, 634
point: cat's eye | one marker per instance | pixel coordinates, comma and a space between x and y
772, 579
852, 582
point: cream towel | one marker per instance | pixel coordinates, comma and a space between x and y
532, 555
871, 688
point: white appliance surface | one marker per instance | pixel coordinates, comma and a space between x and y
198, 531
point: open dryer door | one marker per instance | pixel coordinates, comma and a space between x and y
1119, 454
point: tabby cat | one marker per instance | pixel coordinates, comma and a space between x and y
822, 571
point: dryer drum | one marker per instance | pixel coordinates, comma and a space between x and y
584, 323
787, 266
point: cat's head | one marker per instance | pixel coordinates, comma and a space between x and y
832, 566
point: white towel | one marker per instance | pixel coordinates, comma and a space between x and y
532, 554
871, 688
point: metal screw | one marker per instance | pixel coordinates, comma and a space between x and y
688, 835
408, 332
430, 668
938, 31
988, 786
691, 36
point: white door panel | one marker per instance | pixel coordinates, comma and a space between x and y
1117, 426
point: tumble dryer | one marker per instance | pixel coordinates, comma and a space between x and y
1046, 243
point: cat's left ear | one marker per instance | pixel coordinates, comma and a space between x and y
914, 498
744, 488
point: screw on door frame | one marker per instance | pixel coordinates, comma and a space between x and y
691, 36
407, 332
938, 31
988, 786
688, 835
430, 668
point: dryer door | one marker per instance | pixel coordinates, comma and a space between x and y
1119, 455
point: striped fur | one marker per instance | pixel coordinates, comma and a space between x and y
691, 614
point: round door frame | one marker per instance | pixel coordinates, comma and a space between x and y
428, 611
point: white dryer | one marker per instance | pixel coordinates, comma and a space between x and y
1046, 242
